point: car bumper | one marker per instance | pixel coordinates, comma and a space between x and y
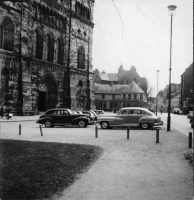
159, 123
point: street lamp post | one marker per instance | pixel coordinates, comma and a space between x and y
157, 93
172, 9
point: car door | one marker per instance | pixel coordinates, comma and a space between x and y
134, 116
56, 116
65, 117
121, 118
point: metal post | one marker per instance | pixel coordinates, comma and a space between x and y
128, 131
190, 139
41, 133
19, 129
169, 95
96, 130
157, 136
157, 94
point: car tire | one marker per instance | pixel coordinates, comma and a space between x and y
145, 125
104, 125
48, 124
82, 123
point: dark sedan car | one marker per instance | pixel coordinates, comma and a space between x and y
62, 116
131, 117
92, 114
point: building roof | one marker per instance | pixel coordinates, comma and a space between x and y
176, 96
113, 76
104, 76
132, 88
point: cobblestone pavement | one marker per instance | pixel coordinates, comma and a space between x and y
137, 168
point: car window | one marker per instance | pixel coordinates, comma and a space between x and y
144, 112
50, 112
135, 112
123, 112
64, 112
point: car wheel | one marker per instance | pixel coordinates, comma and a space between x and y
82, 123
145, 125
104, 125
48, 124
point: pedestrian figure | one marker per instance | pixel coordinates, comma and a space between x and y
161, 111
115, 110
2, 112
7, 115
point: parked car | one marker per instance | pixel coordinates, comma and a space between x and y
62, 116
190, 115
99, 112
177, 111
92, 115
131, 117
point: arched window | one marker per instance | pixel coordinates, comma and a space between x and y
39, 44
60, 51
5, 75
50, 54
81, 58
7, 34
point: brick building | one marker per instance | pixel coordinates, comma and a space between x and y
187, 88
45, 55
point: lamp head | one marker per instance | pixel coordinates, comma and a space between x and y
172, 9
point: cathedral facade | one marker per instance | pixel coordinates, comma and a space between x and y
45, 55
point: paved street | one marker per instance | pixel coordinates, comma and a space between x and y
179, 122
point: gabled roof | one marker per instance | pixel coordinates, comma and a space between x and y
113, 76
132, 88
104, 76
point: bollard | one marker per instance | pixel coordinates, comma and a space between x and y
157, 136
190, 139
96, 130
19, 129
41, 130
128, 130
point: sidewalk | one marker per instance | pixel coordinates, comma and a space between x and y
136, 169
20, 118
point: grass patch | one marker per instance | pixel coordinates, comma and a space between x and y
38, 170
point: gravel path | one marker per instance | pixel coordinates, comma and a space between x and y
132, 169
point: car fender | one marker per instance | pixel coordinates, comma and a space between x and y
147, 119
109, 119
75, 121
42, 120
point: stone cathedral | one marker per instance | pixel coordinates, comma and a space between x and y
46, 55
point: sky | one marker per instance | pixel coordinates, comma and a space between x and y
137, 33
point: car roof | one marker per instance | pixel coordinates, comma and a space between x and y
140, 108
59, 109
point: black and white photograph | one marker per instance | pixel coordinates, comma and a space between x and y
96, 100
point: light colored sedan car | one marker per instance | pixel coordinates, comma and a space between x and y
130, 117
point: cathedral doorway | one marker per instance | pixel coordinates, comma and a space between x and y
47, 94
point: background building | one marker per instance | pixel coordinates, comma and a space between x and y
109, 96
187, 88
122, 77
45, 55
